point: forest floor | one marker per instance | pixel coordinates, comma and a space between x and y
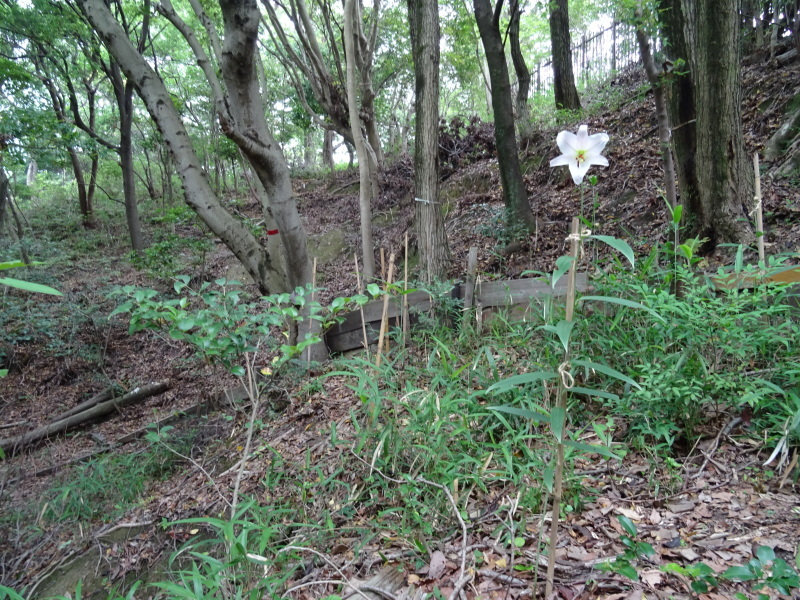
716, 506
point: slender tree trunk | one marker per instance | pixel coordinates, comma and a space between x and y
524, 125
431, 237
679, 90
3, 199
327, 149
365, 208
515, 193
126, 164
563, 78
664, 130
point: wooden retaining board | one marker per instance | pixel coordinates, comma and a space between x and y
349, 335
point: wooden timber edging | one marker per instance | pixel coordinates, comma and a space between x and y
349, 335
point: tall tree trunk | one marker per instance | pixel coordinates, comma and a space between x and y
423, 16
327, 149
563, 78
515, 194
725, 184
365, 195
680, 92
3, 198
524, 124
125, 104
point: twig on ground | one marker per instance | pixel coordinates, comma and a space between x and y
456, 512
347, 581
724, 431
503, 578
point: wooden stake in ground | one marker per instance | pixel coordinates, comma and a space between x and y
469, 288
313, 297
384, 319
383, 264
361, 308
405, 295
561, 404
759, 214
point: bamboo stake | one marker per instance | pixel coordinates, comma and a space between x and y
361, 308
561, 402
405, 295
759, 214
313, 297
383, 264
384, 320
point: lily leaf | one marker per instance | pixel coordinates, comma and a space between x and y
563, 263
619, 245
30, 287
522, 412
623, 302
606, 370
517, 380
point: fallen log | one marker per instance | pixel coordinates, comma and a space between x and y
13, 445
106, 394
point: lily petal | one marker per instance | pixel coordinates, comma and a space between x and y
567, 142
562, 161
579, 171
597, 160
597, 142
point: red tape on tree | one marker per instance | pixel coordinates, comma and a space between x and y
272, 232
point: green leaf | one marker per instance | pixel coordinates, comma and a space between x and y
12, 264
677, 213
627, 525
548, 476
517, 380
30, 287
374, 289
186, 324
521, 412
3, 372
622, 302
558, 416
590, 392
563, 264
607, 371
563, 330
765, 554
592, 449
739, 574
628, 570
619, 245
700, 586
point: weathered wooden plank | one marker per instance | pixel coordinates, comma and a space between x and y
417, 301
348, 334
521, 291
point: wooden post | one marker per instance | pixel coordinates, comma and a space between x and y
759, 215
383, 265
469, 290
384, 320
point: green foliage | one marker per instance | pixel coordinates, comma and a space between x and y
163, 259
625, 563
107, 487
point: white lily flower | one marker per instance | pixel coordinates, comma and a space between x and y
581, 151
